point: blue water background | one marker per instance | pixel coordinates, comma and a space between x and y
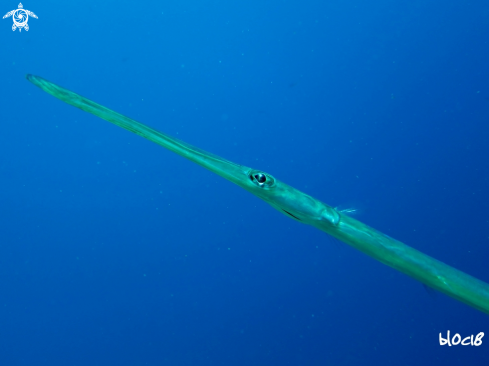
114, 251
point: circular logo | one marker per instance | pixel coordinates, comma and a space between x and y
20, 18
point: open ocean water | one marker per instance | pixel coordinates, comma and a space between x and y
115, 251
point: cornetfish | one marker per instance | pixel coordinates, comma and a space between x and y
301, 207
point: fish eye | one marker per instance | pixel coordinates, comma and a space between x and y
261, 179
